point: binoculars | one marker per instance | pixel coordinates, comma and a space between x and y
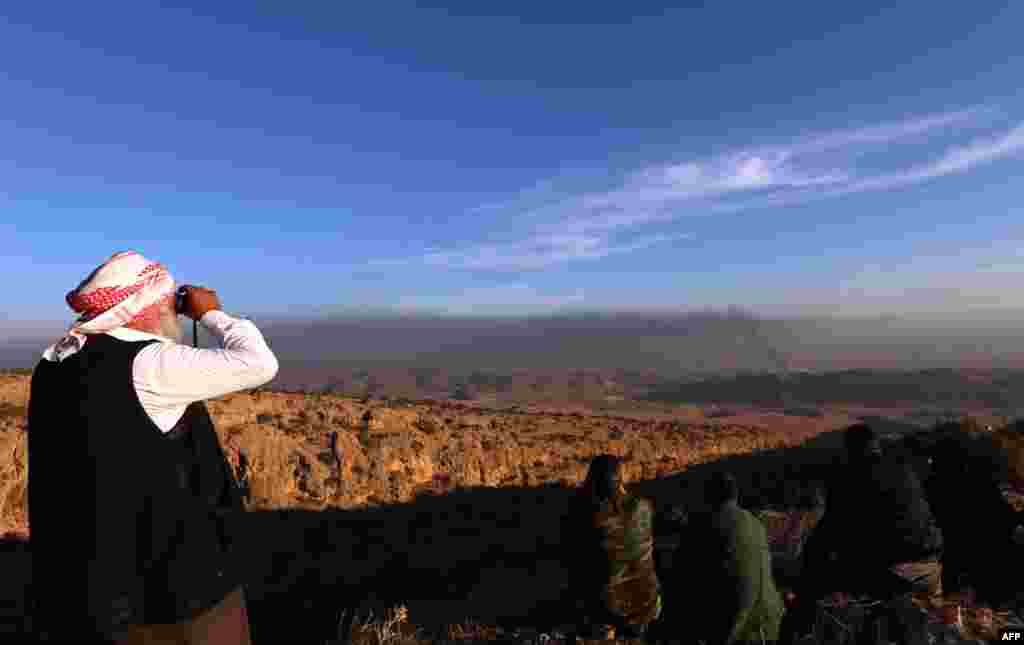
179, 308
179, 300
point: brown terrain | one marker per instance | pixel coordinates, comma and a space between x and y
304, 451
452, 508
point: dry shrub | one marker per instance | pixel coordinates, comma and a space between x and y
427, 425
392, 628
442, 483
11, 411
470, 631
280, 470
13, 478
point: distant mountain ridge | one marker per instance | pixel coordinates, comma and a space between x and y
671, 344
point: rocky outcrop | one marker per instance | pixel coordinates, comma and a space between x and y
307, 451
13, 453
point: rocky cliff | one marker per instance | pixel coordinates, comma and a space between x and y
309, 451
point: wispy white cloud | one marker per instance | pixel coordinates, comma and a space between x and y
781, 175
593, 225
956, 159
745, 171
888, 132
542, 250
543, 192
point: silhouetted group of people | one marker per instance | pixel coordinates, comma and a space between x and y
982, 532
930, 521
721, 587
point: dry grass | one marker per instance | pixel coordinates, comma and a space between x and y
10, 410
972, 627
393, 628
13, 482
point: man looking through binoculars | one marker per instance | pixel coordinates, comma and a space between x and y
118, 432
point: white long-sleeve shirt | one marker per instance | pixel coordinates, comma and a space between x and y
169, 376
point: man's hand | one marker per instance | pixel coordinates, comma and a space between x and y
199, 300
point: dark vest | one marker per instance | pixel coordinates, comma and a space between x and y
129, 525
880, 514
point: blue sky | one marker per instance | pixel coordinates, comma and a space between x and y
833, 158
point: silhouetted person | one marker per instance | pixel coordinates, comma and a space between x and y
978, 523
130, 495
608, 541
723, 574
878, 534
877, 537
917, 452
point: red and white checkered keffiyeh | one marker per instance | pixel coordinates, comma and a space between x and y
125, 288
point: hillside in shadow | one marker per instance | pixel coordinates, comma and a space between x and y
487, 554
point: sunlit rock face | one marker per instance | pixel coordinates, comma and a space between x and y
309, 451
